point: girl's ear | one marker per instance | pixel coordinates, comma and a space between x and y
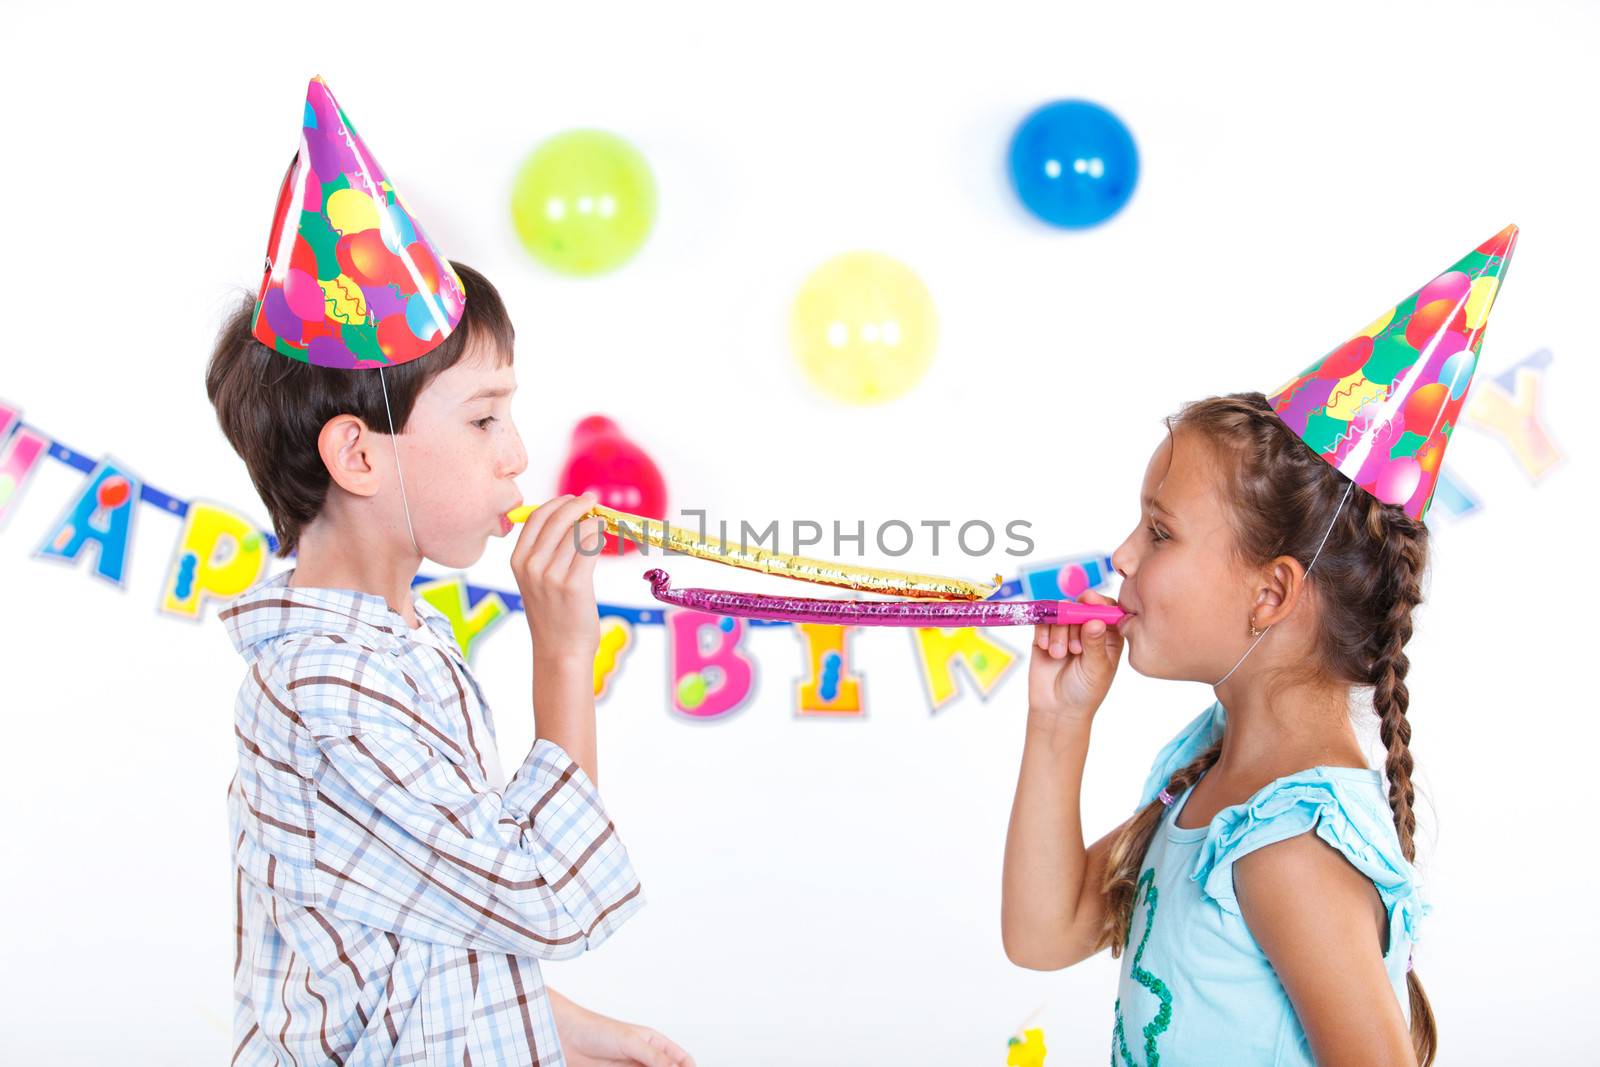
344, 445
1282, 584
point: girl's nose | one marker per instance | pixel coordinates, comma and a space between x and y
1122, 560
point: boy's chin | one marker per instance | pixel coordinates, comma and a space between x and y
459, 556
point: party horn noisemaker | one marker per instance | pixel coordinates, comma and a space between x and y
671, 538
881, 612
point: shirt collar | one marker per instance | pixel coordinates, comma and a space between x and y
306, 607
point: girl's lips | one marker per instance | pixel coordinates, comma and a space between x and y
505, 525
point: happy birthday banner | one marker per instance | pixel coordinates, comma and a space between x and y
220, 553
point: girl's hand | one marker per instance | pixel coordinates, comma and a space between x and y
1072, 669
557, 580
590, 1039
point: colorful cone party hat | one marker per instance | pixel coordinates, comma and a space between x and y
352, 281
1382, 406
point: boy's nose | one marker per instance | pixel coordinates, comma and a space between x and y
516, 458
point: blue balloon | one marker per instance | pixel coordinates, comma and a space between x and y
1073, 163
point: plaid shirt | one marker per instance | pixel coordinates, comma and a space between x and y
391, 900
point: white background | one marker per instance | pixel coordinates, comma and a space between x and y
820, 892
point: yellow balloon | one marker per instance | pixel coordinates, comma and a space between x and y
1480, 300
351, 211
344, 299
863, 328
1352, 393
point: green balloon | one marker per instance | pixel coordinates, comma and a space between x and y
584, 202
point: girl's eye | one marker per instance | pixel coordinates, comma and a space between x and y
1156, 533
483, 423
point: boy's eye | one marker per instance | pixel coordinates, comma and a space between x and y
483, 423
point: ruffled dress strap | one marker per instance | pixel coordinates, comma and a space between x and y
1345, 807
1192, 740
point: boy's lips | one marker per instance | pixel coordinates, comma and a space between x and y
503, 519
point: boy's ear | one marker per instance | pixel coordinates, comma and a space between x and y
344, 445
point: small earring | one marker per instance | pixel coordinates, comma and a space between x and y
1253, 631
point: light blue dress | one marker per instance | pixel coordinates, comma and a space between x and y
1195, 988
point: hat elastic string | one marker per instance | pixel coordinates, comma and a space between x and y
1349, 485
404, 503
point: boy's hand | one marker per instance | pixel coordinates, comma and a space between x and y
590, 1039
556, 580
1071, 670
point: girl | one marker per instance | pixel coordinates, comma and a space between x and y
1248, 939
1262, 900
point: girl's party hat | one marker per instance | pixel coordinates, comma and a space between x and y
1382, 406
352, 281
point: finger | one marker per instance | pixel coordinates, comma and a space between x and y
639, 1046
576, 557
1075, 639
1058, 640
1101, 650
1041, 636
1089, 596
1114, 642
535, 523
558, 530
680, 1055
591, 543
558, 564
675, 1052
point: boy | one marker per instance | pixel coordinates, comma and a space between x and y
391, 897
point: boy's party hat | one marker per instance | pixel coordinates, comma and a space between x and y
352, 281
1382, 406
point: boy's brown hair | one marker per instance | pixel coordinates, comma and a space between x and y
272, 408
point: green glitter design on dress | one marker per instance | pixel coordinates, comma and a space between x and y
1163, 1018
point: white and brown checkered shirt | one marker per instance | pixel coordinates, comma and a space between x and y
391, 901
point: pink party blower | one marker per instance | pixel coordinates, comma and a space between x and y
881, 612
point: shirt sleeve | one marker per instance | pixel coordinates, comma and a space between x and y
405, 843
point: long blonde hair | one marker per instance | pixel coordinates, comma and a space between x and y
1283, 497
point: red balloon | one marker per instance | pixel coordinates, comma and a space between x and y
1347, 358
1499, 244
1431, 453
318, 328
603, 461
1423, 406
1451, 415
395, 337
302, 258
425, 266
367, 260
1431, 318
